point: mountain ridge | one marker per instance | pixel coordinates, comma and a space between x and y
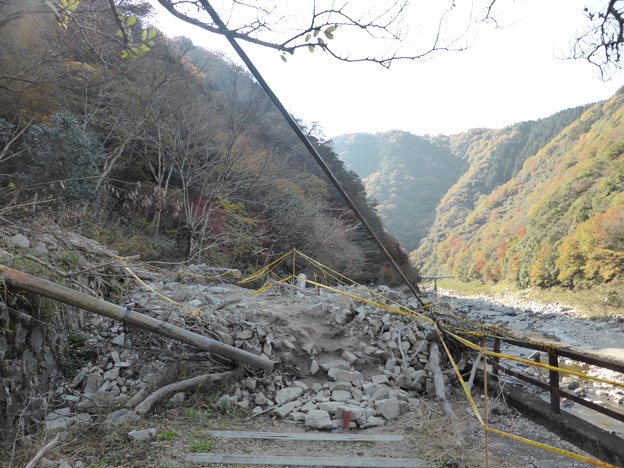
536, 203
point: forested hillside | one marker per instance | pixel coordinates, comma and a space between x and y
403, 174
537, 203
162, 149
559, 220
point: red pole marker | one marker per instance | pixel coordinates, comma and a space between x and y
347, 420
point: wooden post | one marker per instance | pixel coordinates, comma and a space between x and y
554, 383
485, 405
60, 293
497, 347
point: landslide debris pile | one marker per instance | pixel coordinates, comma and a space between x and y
333, 353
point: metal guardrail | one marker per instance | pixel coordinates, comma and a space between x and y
552, 386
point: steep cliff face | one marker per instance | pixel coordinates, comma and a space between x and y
37, 346
536, 203
493, 158
32, 359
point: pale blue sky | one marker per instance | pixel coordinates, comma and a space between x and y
506, 76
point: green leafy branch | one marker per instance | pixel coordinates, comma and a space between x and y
314, 38
134, 49
63, 10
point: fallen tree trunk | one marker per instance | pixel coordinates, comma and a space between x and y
438, 379
60, 293
46, 448
144, 407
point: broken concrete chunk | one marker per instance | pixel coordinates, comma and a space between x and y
369, 388
319, 419
330, 406
380, 379
285, 410
309, 348
310, 405
111, 375
250, 383
355, 412
252, 348
340, 386
288, 394
302, 385
244, 335
119, 339
58, 425
340, 395
382, 393
297, 416
389, 408
176, 400
349, 356
260, 399
342, 375
20, 241
335, 364
93, 383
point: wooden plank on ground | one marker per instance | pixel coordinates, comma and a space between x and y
356, 462
308, 436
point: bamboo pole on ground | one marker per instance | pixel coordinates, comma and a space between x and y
69, 296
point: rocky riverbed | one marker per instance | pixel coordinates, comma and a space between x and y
557, 324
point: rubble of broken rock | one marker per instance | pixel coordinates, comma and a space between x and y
333, 354
338, 360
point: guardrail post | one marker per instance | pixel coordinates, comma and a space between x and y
555, 400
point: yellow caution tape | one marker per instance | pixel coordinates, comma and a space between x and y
265, 269
347, 281
407, 312
188, 273
413, 314
532, 363
459, 376
268, 271
193, 310
549, 448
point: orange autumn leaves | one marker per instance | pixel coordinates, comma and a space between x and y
594, 250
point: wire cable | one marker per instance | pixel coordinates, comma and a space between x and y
310, 147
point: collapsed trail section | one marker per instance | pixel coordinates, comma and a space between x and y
309, 146
66, 295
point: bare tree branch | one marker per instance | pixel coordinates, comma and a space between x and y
602, 43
